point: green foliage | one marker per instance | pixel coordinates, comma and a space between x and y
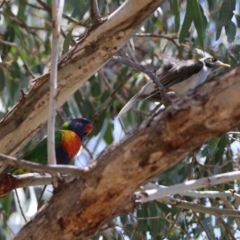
2, 80
231, 30
67, 42
199, 20
175, 29
225, 16
196, 15
176, 12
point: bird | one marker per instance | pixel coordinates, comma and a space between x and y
178, 76
68, 141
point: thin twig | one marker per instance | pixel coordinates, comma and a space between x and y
107, 82
229, 205
171, 39
60, 116
20, 207
41, 195
21, 55
87, 150
191, 169
94, 12
190, 177
139, 235
123, 128
2, 3
202, 226
47, 8
47, 23
141, 68
52, 169
227, 228
155, 109
172, 224
106, 102
199, 208
219, 167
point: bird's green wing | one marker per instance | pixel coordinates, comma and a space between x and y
38, 153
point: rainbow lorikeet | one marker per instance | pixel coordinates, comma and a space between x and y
68, 141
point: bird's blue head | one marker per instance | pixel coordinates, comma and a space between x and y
81, 126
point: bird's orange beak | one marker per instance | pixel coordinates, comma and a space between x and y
88, 128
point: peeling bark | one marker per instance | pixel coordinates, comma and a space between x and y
81, 207
76, 67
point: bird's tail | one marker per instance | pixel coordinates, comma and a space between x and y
145, 93
129, 105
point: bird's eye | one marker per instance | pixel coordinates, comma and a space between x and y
212, 60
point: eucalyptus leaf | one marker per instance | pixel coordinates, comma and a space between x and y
8, 37
142, 214
108, 136
211, 4
225, 15
231, 30
223, 52
2, 80
186, 23
67, 42
176, 12
237, 16
198, 19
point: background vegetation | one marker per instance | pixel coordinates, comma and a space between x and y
174, 30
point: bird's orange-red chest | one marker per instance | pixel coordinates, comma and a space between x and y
71, 143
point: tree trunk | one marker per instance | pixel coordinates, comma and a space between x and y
81, 207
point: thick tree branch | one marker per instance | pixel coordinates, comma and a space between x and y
10, 182
79, 64
149, 150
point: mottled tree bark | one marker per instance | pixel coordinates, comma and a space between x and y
81, 207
